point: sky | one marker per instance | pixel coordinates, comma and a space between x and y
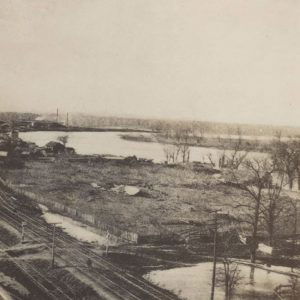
218, 60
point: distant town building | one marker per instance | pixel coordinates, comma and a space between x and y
4, 126
24, 125
47, 125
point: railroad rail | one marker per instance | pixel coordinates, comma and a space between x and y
115, 282
39, 280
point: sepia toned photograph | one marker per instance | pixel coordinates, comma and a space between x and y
149, 150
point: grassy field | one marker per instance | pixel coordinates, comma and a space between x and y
167, 193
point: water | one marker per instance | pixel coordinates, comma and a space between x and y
74, 228
111, 143
194, 283
263, 138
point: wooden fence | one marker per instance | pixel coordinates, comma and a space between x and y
120, 235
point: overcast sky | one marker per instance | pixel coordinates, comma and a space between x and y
234, 60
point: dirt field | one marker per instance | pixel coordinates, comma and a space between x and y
166, 193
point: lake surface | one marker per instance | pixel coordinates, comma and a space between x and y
112, 143
194, 283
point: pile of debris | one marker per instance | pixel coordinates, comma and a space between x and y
131, 160
13, 150
126, 189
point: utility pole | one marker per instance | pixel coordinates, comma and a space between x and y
23, 231
107, 242
67, 123
53, 244
57, 115
213, 280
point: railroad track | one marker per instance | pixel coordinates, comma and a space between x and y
74, 260
114, 280
39, 280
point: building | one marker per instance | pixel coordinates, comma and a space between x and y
55, 147
47, 125
23, 125
4, 126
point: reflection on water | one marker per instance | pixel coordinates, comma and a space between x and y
111, 143
194, 282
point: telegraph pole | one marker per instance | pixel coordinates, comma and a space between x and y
107, 242
213, 280
53, 244
23, 232
67, 123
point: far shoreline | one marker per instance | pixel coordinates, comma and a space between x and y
84, 129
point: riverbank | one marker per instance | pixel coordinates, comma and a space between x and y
255, 144
87, 129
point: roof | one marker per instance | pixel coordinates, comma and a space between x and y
54, 144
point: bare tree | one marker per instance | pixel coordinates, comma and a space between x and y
233, 157
288, 291
175, 143
294, 210
63, 139
273, 205
257, 177
285, 156
239, 152
171, 153
228, 275
198, 130
182, 141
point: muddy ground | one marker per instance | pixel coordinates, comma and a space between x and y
167, 193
